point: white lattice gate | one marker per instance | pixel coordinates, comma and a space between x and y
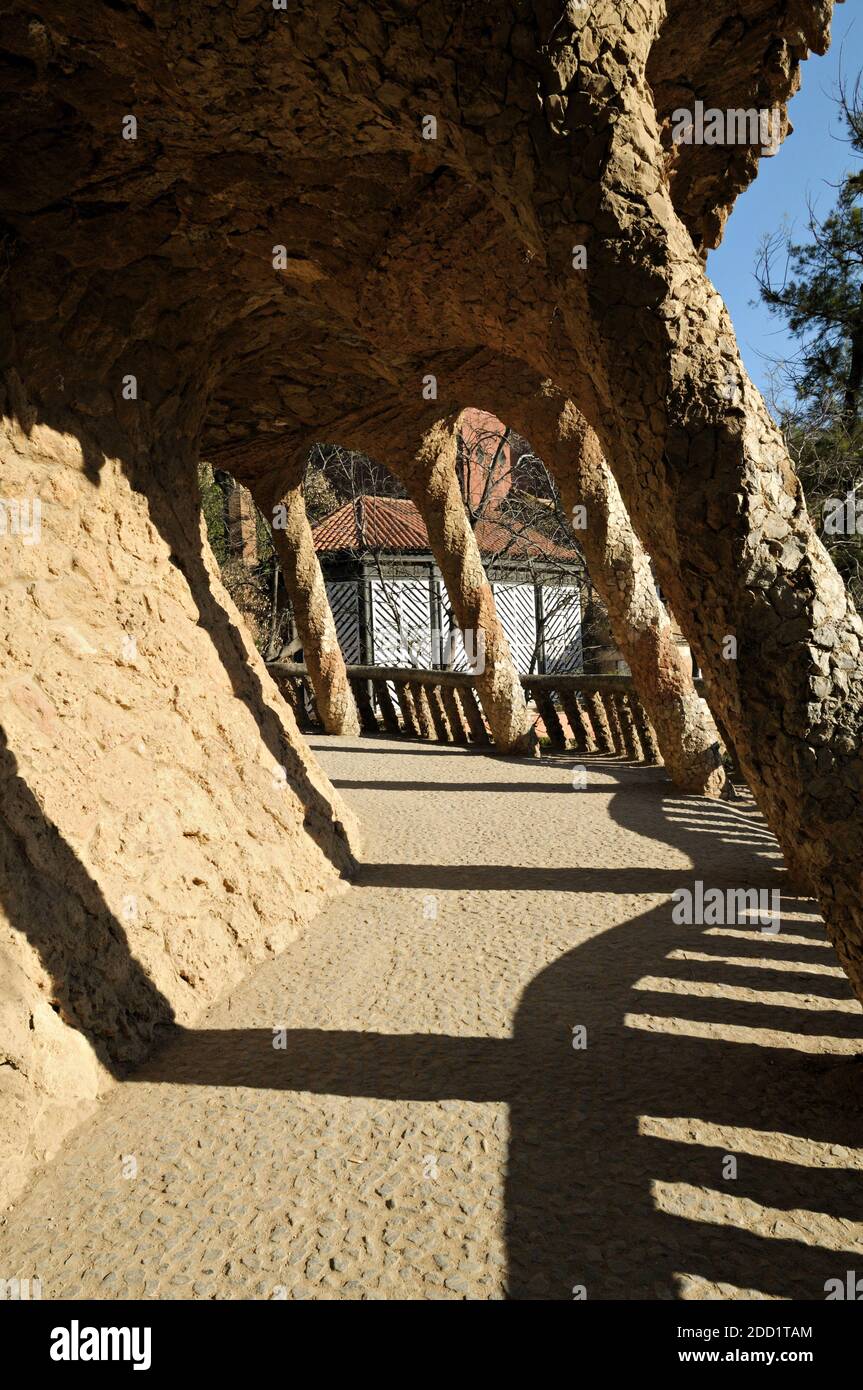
561, 609
516, 608
401, 622
344, 601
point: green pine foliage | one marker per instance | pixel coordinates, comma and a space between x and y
819, 295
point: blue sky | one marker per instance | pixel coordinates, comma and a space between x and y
811, 160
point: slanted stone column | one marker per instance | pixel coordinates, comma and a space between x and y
304, 581
706, 476
433, 485
621, 572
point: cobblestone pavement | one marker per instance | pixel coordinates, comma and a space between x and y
424, 1123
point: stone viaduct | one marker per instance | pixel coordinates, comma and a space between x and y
231, 230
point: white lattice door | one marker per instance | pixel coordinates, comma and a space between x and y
561, 609
516, 608
344, 602
401, 622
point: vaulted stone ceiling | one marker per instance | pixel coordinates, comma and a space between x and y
301, 127
259, 128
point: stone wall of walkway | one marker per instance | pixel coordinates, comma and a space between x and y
162, 825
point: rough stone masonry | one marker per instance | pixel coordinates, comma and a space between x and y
236, 225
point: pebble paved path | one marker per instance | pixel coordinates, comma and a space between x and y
426, 1127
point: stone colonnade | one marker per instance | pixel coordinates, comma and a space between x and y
416, 211
618, 565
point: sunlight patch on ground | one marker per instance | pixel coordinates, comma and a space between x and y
697, 1288
785, 937
733, 1033
760, 963
715, 1208
757, 1143
702, 989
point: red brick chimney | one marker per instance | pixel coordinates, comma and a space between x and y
487, 459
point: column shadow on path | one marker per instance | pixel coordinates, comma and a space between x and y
596, 1194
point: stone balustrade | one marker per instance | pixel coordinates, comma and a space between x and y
587, 714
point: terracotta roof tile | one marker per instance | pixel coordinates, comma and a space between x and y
393, 523
372, 523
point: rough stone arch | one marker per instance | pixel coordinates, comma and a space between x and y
279, 222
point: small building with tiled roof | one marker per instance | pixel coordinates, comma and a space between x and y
391, 607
